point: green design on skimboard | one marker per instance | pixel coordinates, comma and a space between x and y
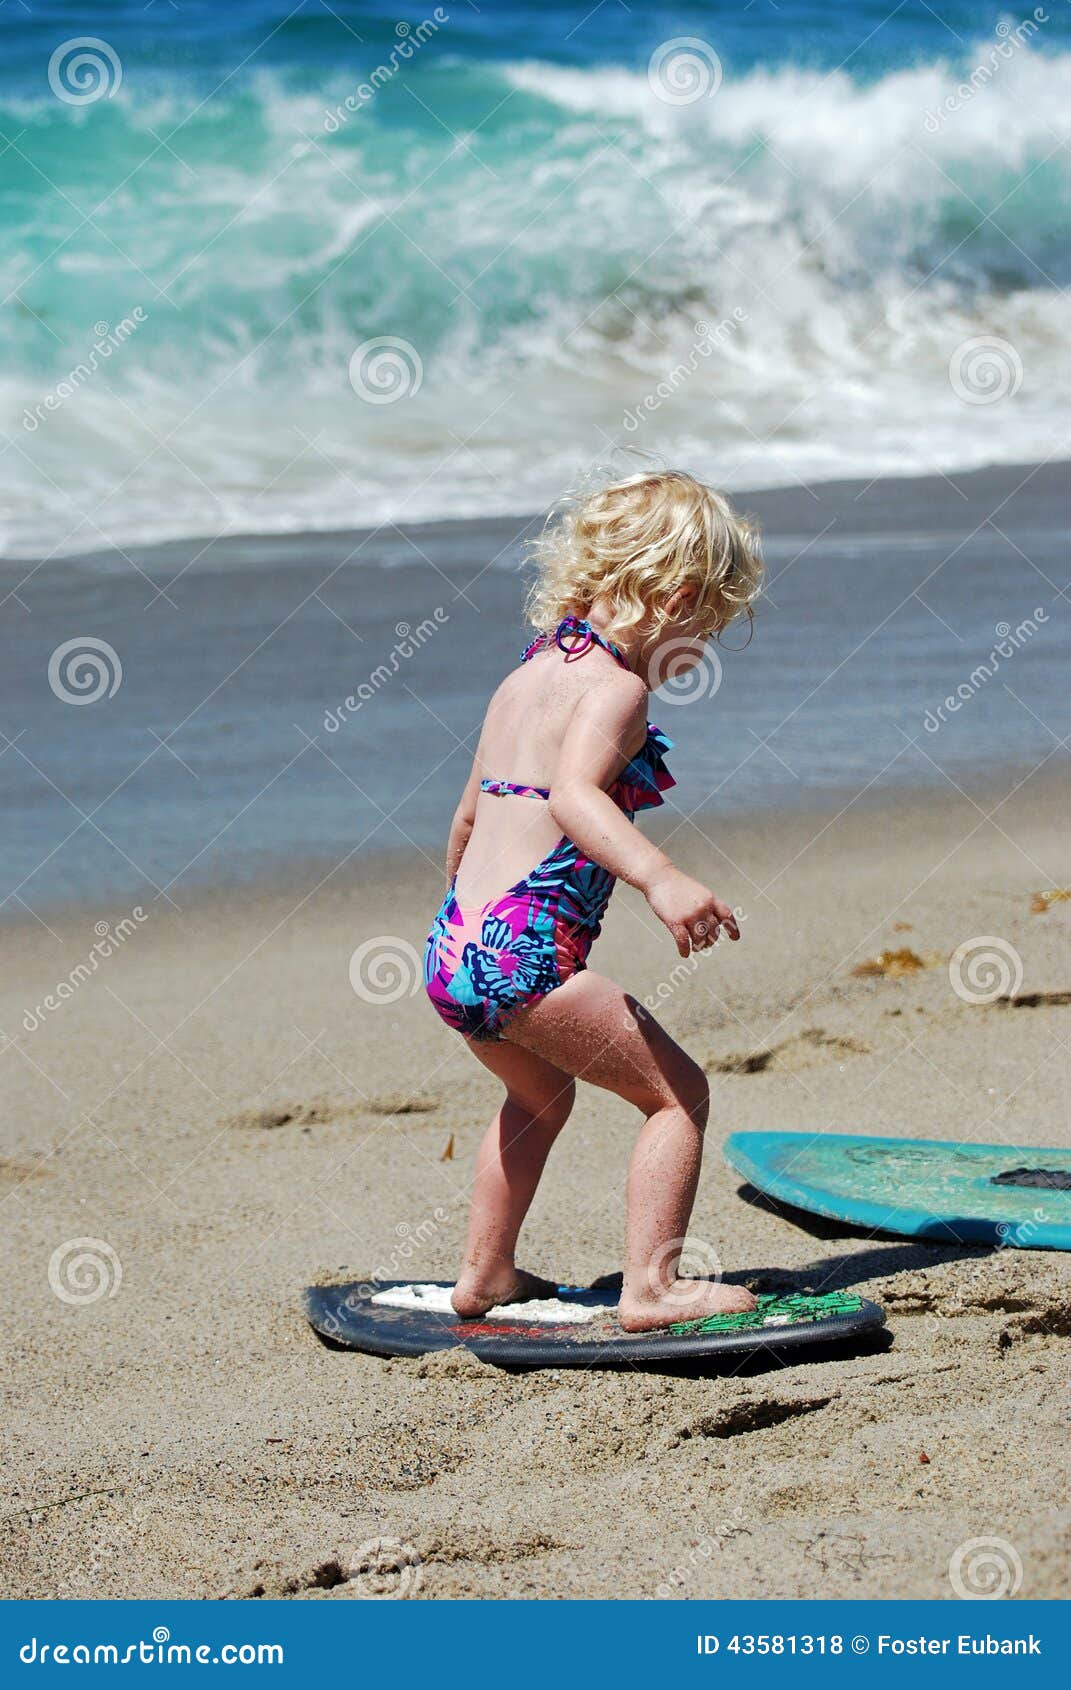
796, 1309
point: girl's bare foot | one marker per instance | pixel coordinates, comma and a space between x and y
685, 1299
475, 1293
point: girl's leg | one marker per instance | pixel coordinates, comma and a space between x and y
508, 1166
592, 1029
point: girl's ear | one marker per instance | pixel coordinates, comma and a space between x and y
682, 602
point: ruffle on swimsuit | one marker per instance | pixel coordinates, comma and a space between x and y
482, 965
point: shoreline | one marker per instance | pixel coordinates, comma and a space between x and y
784, 504
220, 746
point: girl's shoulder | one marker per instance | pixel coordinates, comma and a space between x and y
614, 696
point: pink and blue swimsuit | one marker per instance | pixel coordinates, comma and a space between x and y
483, 965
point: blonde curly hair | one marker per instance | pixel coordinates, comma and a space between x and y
633, 543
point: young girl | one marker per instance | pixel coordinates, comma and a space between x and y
632, 582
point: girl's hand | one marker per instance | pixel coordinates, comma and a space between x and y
690, 910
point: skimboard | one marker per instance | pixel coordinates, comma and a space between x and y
576, 1328
1008, 1194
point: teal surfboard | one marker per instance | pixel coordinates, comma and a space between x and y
1011, 1194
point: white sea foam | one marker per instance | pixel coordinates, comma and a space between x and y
549, 283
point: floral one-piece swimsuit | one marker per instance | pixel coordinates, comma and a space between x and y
481, 966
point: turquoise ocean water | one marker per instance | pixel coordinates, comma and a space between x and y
857, 192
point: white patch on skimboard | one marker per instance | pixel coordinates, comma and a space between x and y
551, 1311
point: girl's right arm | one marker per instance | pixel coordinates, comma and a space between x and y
464, 819
607, 722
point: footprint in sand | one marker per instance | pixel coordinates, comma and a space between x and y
315, 1111
808, 1049
1035, 1000
14, 1174
399, 1103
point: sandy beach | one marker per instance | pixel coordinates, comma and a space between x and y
219, 1112
315, 312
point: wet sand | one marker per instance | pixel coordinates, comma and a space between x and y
228, 750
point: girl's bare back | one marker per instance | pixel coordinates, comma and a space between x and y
526, 723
